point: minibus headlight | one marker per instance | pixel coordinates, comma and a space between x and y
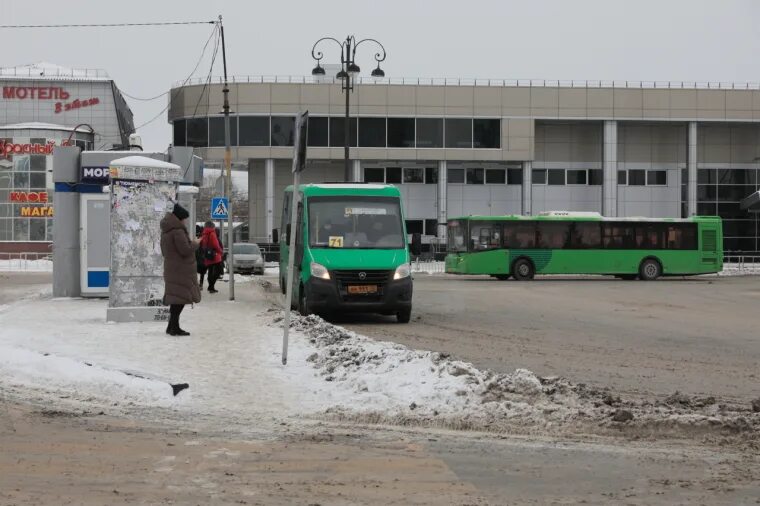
402, 271
319, 271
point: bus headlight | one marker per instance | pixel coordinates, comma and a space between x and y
319, 271
402, 271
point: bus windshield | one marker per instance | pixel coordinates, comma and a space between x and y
456, 235
347, 222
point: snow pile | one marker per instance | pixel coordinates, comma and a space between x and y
79, 380
389, 383
26, 265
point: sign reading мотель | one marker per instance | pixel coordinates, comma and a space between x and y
49, 93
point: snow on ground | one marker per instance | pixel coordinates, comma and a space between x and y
232, 363
25, 265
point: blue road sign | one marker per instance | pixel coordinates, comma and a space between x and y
219, 208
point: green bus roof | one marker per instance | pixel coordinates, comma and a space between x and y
580, 217
349, 189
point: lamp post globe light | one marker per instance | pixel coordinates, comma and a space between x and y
348, 72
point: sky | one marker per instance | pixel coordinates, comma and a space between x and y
663, 40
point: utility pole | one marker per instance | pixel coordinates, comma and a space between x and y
228, 168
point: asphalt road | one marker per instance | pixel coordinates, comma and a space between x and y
697, 335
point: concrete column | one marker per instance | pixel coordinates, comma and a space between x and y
442, 201
691, 182
269, 197
252, 225
66, 244
356, 173
527, 188
609, 169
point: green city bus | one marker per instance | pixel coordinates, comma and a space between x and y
351, 250
584, 243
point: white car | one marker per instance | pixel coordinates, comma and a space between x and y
247, 258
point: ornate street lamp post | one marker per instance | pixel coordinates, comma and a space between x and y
348, 72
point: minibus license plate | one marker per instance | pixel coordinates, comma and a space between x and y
359, 289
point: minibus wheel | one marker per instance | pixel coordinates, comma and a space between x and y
283, 288
404, 315
303, 302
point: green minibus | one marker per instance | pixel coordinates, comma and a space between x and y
351, 250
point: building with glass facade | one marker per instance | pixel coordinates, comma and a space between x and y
44, 106
494, 147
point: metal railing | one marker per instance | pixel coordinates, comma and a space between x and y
458, 81
26, 262
36, 72
734, 264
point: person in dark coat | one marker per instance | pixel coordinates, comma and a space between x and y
201, 265
180, 279
212, 254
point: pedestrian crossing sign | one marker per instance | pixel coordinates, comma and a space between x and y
219, 208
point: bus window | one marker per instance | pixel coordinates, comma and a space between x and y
520, 234
649, 236
681, 236
484, 235
553, 234
456, 235
586, 235
618, 235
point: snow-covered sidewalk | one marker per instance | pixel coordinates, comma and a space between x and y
61, 350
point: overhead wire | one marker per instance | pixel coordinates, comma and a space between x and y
112, 25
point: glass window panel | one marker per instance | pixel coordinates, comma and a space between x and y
595, 177
38, 180
739, 244
21, 163
49, 231
431, 175
6, 230
732, 211
414, 226
575, 176
681, 236
283, 130
657, 177
458, 133
197, 132
556, 177
650, 236
318, 131
216, 131
21, 229
736, 176
37, 229
5, 210
514, 176
586, 235
38, 140
486, 133
337, 133
707, 209
539, 176
372, 132
414, 175
374, 175
475, 176
400, 132
739, 228
179, 132
707, 192
519, 234
622, 177
455, 175
254, 130
496, 176
38, 162
552, 234
734, 192
431, 227
393, 175
705, 176
637, 177
429, 132
21, 180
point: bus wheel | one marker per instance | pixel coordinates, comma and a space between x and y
404, 315
650, 270
523, 270
303, 303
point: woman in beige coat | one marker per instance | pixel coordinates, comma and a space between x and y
180, 279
